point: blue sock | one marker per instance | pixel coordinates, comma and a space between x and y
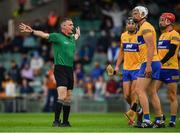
157, 119
173, 118
146, 116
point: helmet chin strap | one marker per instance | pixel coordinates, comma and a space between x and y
141, 19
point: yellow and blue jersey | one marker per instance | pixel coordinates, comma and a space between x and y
130, 48
165, 40
146, 29
169, 72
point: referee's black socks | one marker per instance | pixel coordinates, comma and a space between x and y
58, 108
66, 111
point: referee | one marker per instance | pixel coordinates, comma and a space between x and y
64, 49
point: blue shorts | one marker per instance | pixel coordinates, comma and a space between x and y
169, 75
156, 67
129, 75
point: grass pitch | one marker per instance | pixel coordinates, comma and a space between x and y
81, 122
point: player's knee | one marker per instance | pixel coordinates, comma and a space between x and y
138, 92
133, 91
67, 101
141, 95
152, 93
62, 93
68, 98
62, 96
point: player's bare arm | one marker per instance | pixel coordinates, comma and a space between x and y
27, 29
150, 52
119, 60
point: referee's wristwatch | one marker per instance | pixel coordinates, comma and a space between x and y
32, 32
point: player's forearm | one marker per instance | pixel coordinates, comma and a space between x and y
150, 48
40, 34
169, 54
120, 58
150, 53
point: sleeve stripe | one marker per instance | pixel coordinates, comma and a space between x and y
145, 31
175, 38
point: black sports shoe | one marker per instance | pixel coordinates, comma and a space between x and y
56, 123
172, 124
65, 124
146, 125
159, 124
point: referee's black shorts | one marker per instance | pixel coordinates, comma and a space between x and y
64, 76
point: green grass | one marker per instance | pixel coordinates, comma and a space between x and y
81, 122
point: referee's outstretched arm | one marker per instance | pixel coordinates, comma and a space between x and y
27, 29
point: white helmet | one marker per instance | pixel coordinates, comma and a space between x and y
141, 10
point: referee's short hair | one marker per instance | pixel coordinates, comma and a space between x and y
64, 20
